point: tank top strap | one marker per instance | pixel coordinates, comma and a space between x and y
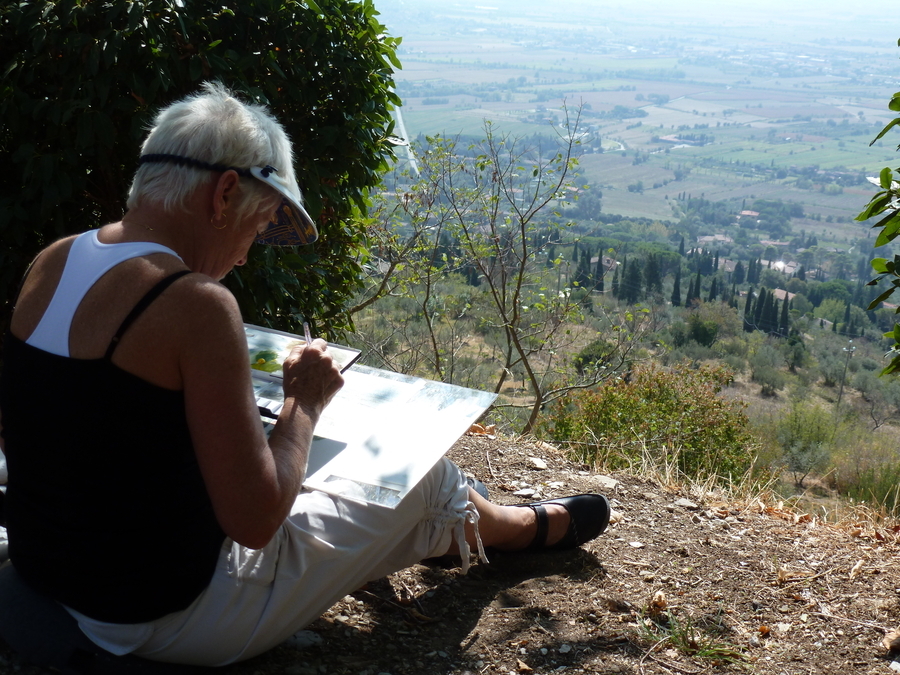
139, 308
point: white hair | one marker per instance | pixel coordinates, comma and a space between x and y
212, 126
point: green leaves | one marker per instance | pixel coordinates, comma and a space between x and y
83, 79
887, 201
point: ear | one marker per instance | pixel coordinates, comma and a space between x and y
225, 192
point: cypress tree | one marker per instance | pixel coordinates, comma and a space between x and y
676, 289
698, 288
631, 284
681, 247
784, 324
748, 311
575, 258
765, 314
615, 283
770, 314
551, 255
600, 271
758, 308
738, 275
713, 290
652, 280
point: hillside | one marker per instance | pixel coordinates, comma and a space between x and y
775, 591
756, 587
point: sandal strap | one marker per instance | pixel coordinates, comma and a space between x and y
543, 527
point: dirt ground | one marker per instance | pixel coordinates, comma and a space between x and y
682, 583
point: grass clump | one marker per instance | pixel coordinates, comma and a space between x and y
675, 413
699, 639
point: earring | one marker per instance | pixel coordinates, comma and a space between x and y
221, 218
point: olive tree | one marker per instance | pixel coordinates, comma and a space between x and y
81, 81
486, 214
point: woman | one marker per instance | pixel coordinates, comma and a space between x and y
134, 443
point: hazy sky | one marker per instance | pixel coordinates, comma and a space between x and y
805, 19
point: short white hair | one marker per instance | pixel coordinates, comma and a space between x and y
212, 126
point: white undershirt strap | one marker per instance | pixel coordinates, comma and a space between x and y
89, 259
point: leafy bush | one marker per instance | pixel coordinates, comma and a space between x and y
83, 79
804, 434
696, 329
764, 371
597, 354
676, 415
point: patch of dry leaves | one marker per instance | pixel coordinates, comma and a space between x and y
681, 583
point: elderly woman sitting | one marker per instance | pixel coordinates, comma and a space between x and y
143, 494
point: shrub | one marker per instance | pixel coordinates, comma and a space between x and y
83, 79
764, 369
804, 435
674, 414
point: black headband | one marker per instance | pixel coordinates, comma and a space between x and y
200, 164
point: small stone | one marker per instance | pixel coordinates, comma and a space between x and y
525, 492
606, 482
895, 666
686, 504
615, 517
543, 651
565, 649
537, 463
303, 639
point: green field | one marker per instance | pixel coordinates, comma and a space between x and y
772, 97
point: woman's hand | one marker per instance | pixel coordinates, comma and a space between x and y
311, 376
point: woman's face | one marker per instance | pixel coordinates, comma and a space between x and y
243, 232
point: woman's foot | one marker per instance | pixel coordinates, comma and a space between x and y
527, 529
587, 516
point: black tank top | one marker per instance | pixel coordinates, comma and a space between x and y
106, 507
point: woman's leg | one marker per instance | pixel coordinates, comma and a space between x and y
510, 528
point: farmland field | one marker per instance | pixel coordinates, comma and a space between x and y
771, 102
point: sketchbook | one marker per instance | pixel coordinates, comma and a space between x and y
380, 434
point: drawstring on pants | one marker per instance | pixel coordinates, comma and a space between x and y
471, 515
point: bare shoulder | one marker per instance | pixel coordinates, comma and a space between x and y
204, 301
207, 314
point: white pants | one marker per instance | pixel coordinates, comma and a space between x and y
328, 547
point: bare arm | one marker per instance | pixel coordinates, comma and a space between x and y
252, 483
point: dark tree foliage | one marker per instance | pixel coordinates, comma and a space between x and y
713, 290
630, 288
784, 322
676, 289
758, 307
599, 272
748, 312
83, 79
652, 277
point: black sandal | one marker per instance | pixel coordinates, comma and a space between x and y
588, 518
